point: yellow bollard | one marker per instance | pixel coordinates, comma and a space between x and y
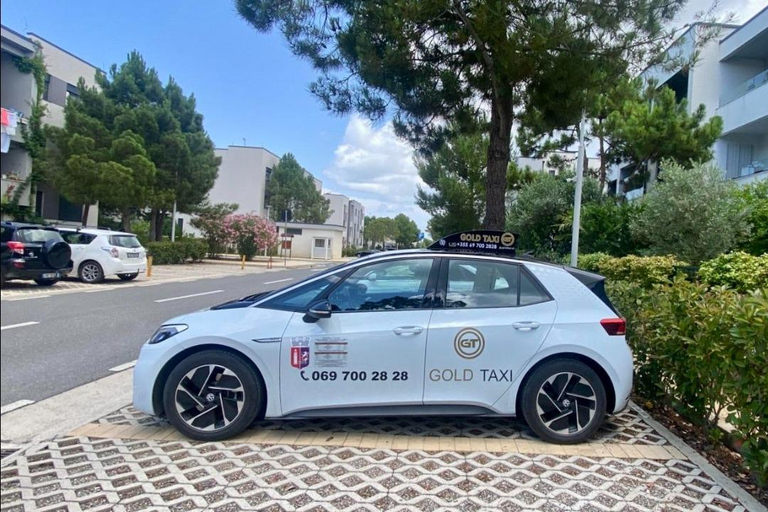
242, 263
149, 266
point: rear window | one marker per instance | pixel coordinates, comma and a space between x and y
32, 235
128, 241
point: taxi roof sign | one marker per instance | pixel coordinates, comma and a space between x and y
481, 241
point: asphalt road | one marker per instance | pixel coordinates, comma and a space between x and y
78, 337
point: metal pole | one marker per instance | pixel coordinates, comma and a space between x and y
577, 196
173, 223
285, 254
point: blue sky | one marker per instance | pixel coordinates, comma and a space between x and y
247, 84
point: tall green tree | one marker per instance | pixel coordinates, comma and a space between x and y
455, 179
378, 230
292, 188
407, 230
448, 59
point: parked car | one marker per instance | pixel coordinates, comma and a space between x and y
33, 252
100, 253
461, 328
366, 252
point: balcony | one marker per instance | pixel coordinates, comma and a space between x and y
751, 172
744, 88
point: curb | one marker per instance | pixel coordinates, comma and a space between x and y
734, 489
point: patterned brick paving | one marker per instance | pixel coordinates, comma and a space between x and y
113, 474
626, 427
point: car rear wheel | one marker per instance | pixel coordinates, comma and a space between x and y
46, 282
213, 395
564, 401
90, 272
128, 277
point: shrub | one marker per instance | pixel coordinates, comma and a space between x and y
754, 199
737, 270
592, 261
249, 233
350, 250
644, 271
175, 253
692, 214
703, 350
210, 219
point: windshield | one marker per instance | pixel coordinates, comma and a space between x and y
33, 235
129, 241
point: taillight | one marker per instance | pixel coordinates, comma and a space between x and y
16, 247
112, 251
614, 326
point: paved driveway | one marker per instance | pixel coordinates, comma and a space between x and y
129, 461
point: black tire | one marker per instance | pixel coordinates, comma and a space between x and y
90, 272
56, 254
128, 277
46, 282
253, 398
574, 415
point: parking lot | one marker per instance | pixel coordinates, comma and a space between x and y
130, 461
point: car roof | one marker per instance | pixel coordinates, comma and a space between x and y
450, 254
18, 225
96, 231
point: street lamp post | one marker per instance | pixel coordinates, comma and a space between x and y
577, 196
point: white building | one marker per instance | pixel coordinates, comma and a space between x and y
311, 241
730, 78
18, 94
546, 164
349, 214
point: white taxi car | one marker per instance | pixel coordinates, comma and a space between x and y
100, 253
461, 328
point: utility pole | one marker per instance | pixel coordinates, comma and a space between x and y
577, 196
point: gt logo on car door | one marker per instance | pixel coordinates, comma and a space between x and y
469, 343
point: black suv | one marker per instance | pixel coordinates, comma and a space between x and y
33, 252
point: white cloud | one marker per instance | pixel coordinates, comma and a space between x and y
743, 9
375, 167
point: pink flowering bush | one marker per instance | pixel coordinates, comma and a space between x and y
249, 233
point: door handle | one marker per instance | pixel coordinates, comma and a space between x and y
526, 326
408, 330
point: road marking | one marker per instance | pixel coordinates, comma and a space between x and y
13, 326
279, 281
121, 367
15, 405
189, 296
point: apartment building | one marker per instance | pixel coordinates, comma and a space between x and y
348, 213
730, 78
16, 97
18, 94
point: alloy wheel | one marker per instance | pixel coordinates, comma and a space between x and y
90, 272
209, 397
566, 403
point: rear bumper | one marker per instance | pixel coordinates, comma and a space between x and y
115, 267
19, 269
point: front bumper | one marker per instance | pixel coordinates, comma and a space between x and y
145, 374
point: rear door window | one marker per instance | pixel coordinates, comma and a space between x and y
74, 238
127, 241
490, 284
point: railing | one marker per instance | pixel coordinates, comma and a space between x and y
744, 88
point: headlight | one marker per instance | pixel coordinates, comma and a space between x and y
167, 331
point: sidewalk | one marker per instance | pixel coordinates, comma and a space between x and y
130, 461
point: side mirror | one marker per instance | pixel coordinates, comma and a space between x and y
317, 311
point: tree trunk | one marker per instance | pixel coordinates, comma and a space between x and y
497, 163
153, 225
159, 222
125, 219
86, 211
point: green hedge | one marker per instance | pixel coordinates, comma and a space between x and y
181, 251
737, 270
703, 350
643, 270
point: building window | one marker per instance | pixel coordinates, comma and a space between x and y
72, 91
738, 159
47, 86
294, 231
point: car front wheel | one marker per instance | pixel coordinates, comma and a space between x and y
564, 402
213, 395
